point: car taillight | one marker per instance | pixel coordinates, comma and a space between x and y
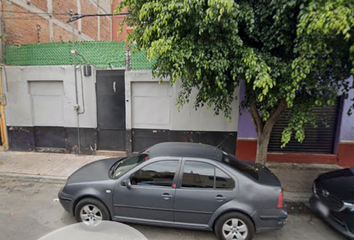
280, 200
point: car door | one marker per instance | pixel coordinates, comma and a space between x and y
202, 189
151, 195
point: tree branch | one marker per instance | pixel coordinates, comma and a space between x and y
256, 118
275, 115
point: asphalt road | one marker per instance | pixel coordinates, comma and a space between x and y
27, 211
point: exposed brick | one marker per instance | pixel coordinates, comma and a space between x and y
42, 4
105, 29
89, 24
60, 34
23, 29
60, 6
105, 5
116, 35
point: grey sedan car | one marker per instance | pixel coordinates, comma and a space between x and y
184, 185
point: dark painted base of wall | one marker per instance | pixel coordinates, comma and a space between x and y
302, 158
144, 138
346, 154
52, 139
247, 149
65, 140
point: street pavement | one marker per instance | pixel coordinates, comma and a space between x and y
28, 211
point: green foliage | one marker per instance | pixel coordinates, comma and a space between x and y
298, 50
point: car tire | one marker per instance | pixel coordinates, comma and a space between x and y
234, 225
91, 209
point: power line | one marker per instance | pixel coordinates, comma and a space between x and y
77, 16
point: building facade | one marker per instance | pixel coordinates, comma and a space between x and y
331, 142
107, 110
43, 21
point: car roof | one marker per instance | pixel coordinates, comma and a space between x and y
184, 149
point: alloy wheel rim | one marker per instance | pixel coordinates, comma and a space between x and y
235, 228
90, 214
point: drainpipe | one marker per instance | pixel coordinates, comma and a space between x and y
77, 106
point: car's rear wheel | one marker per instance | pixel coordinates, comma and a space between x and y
234, 226
91, 210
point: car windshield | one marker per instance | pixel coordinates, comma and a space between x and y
126, 164
239, 165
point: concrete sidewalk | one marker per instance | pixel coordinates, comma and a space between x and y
296, 179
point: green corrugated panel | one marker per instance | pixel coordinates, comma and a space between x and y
139, 61
100, 54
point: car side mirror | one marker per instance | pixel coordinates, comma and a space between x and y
127, 183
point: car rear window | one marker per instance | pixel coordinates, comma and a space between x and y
239, 165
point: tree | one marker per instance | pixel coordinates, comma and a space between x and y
290, 54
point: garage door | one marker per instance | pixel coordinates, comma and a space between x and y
317, 140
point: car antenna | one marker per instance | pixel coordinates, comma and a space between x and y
228, 135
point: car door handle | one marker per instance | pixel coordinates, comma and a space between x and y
220, 198
166, 196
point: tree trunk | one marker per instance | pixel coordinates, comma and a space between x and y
264, 129
262, 147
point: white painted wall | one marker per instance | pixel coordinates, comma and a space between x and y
45, 96
151, 105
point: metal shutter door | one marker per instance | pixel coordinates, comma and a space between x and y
317, 140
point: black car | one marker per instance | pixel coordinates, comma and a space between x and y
333, 199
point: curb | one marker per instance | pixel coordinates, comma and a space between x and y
33, 178
307, 166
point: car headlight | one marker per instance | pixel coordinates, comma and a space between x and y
349, 205
314, 189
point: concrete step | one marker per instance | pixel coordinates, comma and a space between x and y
107, 153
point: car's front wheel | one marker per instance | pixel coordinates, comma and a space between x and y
91, 210
234, 226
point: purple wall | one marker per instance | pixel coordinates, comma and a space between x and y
347, 123
246, 128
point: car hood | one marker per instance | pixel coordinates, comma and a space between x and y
339, 183
95, 171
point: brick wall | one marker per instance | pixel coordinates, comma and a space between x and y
34, 29
116, 20
105, 30
89, 24
40, 21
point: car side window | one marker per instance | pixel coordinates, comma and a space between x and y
204, 175
156, 174
198, 175
222, 180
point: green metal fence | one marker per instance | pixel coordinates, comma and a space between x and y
139, 61
100, 54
